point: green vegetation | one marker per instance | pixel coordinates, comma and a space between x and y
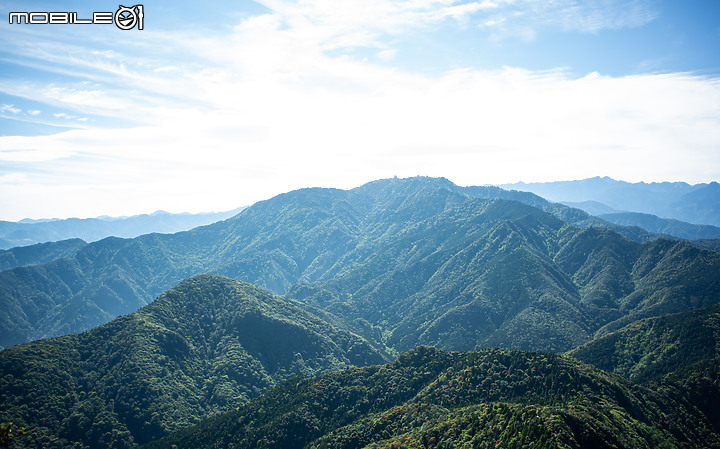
38, 254
368, 273
207, 345
429, 398
651, 349
8, 433
666, 226
399, 261
711, 244
496, 273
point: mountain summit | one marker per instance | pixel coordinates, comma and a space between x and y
400, 261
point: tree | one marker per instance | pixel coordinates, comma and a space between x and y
8, 432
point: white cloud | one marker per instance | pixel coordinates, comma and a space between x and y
9, 108
527, 18
387, 55
267, 108
169, 68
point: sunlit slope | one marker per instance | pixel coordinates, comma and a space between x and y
434, 399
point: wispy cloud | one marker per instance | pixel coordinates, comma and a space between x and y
527, 18
9, 108
275, 103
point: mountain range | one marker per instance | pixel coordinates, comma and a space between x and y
697, 204
419, 244
38, 254
372, 274
29, 232
650, 223
666, 226
205, 351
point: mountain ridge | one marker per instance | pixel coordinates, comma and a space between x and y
311, 236
653, 348
30, 232
209, 344
431, 398
657, 225
697, 204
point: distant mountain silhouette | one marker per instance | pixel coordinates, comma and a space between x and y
29, 232
697, 204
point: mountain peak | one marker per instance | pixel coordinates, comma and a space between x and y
212, 342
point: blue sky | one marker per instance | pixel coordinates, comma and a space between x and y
214, 105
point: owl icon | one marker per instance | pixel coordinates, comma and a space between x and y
126, 18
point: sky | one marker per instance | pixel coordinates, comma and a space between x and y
216, 105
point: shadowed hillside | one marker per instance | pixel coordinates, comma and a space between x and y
207, 345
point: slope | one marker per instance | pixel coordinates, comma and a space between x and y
431, 399
497, 273
209, 344
392, 244
572, 215
666, 226
650, 349
38, 254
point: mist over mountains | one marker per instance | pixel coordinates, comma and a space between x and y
698, 204
29, 232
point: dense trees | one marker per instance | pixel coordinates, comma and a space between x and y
370, 273
428, 398
651, 349
317, 235
208, 345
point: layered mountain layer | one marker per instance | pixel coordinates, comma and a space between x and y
403, 262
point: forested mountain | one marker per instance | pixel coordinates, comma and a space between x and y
403, 262
207, 345
499, 283
212, 343
30, 232
658, 225
38, 254
650, 223
572, 215
651, 349
493, 398
698, 204
712, 244
368, 273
